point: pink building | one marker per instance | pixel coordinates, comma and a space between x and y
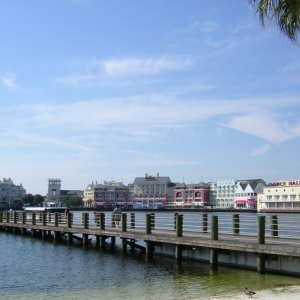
187, 195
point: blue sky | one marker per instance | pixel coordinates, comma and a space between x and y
110, 90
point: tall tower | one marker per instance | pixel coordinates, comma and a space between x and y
53, 194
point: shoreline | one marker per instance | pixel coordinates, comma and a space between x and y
282, 292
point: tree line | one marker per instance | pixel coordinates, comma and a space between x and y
37, 200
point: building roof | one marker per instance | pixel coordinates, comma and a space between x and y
152, 179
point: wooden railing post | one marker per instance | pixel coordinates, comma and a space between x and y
132, 220
261, 226
85, 220
236, 223
56, 219
214, 228
148, 223
214, 236
261, 232
33, 218
153, 220
175, 218
15, 217
7, 216
204, 222
69, 219
274, 226
43, 219
179, 225
24, 218
102, 221
124, 222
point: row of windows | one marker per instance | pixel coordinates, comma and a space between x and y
284, 197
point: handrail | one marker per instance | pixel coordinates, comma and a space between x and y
274, 225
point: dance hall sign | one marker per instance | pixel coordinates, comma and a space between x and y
286, 183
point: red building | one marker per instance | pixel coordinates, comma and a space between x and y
187, 195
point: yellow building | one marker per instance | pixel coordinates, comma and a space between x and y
280, 196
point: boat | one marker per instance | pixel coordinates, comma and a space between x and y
44, 209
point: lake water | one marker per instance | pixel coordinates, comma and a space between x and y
32, 268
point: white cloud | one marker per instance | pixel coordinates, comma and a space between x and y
149, 116
145, 66
9, 81
105, 73
266, 126
34, 139
260, 151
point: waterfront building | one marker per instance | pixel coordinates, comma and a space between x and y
55, 194
280, 196
152, 191
10, 193
89, 195
224, 193
108, 194
191, 195
212, 194
246, 193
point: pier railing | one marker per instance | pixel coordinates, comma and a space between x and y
260, 226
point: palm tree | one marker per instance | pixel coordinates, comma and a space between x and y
285, 13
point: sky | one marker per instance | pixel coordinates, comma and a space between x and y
94, 90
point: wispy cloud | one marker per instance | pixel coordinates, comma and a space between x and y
154, 115
260, 151
9, 81
95, 72
266, 126
145, 66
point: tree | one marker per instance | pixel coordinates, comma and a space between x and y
38, 200
285, 13
28, 199
72, 201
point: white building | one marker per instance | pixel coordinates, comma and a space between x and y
89, 195
280, 196
153, 191
9, 192
53, 193
246, 193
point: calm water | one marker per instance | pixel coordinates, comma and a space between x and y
32, 268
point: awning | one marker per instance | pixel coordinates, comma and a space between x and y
240, 201
251, 202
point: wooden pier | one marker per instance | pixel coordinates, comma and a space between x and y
272, 253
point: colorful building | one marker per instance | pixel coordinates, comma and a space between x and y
108, 194
191, 195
